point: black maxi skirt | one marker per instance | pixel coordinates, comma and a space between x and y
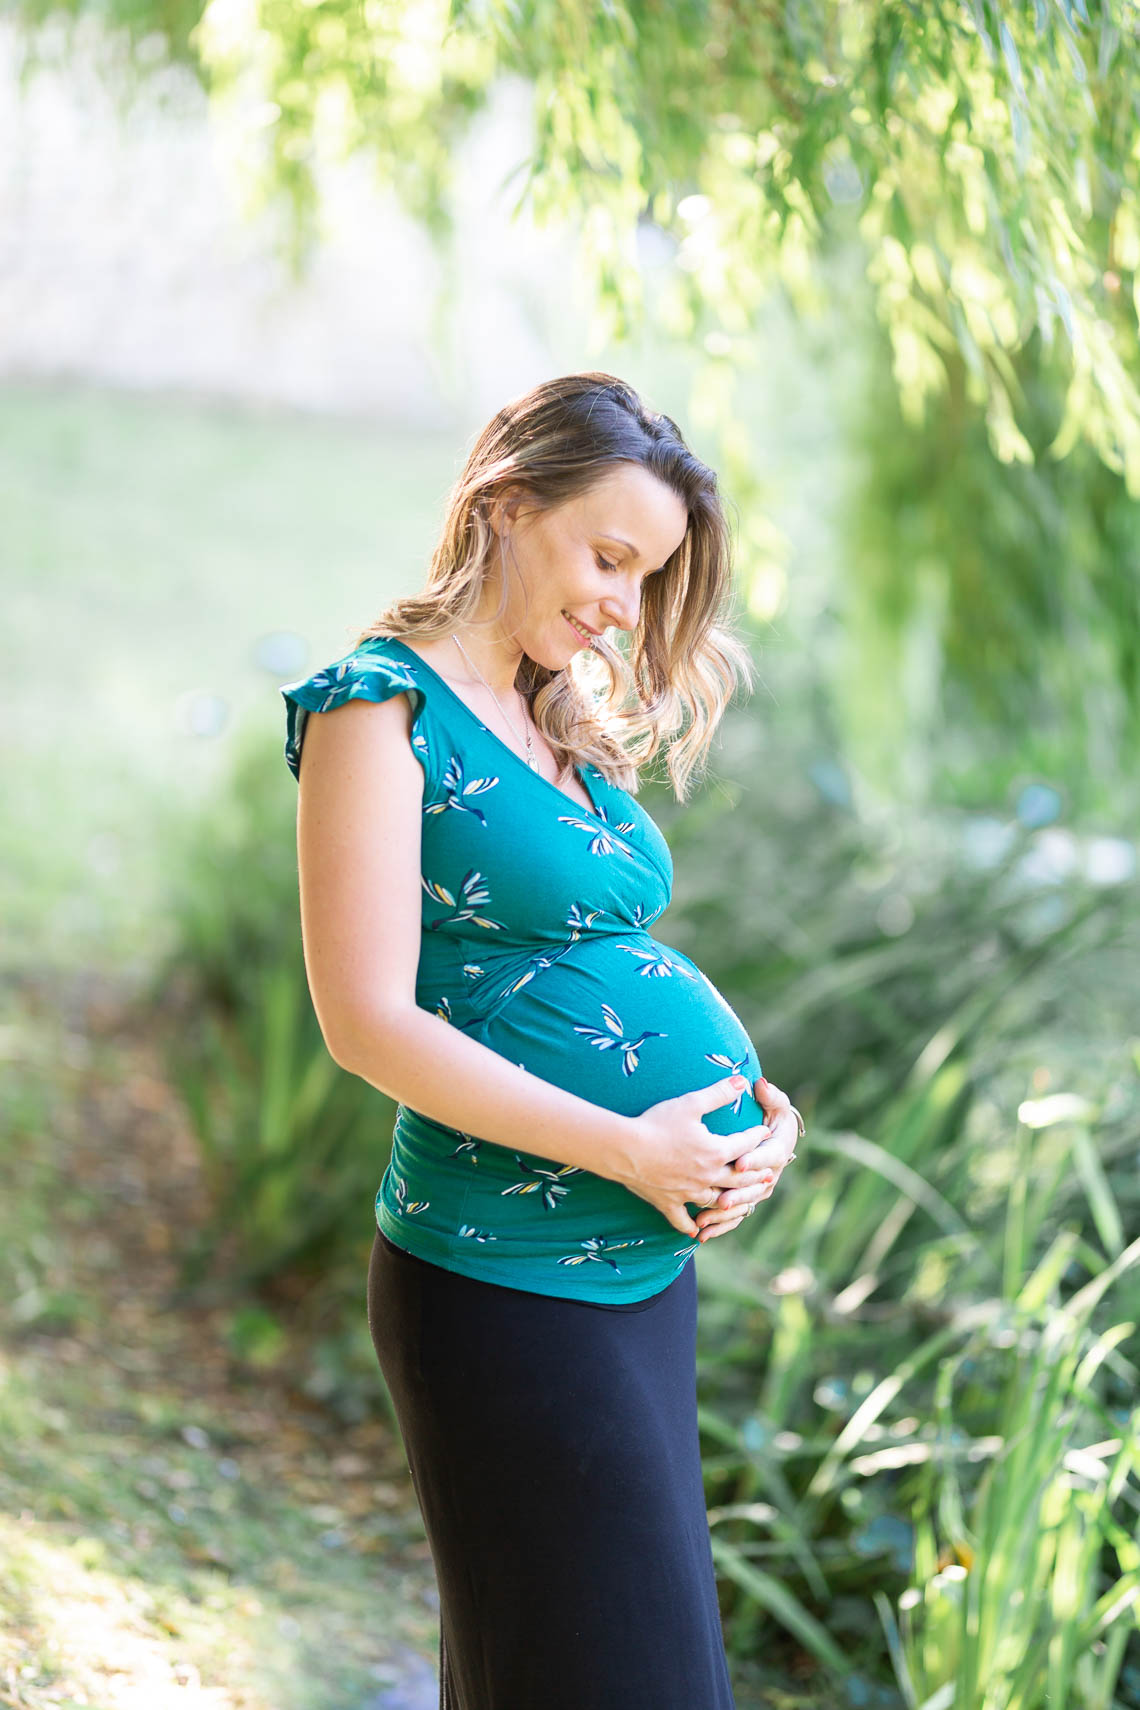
554, 1453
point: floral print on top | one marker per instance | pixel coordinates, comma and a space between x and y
535, 940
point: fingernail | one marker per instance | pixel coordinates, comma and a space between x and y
760, 1081
739, 1081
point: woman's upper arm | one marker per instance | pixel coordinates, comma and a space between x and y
359, 823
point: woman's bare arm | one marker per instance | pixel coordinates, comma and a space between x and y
358, 843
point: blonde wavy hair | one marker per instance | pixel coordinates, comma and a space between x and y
614, 709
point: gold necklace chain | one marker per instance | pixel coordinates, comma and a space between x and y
531, 757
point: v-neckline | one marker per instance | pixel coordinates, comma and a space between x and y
505, 746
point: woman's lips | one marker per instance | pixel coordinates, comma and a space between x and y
584, 639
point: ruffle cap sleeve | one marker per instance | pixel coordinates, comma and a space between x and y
366, 674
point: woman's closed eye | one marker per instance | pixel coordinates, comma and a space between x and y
604, 564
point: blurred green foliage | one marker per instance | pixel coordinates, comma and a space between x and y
981, 152
891, 1328
289, 1142
1003, 600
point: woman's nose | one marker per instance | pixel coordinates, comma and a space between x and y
624, 613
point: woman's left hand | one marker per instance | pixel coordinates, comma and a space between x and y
761, 1167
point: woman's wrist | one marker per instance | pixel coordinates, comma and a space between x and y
623, 1151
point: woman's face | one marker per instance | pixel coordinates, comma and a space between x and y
588, 558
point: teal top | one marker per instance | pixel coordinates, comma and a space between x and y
535, 941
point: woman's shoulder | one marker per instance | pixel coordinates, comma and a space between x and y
375, 669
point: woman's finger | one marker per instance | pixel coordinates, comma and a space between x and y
721, 1214
770, 1097
718, 1219
760, 1173
775, 1103
778, 1124
680, 1219
756, 1171
739, 1207
769, 1155
733, 1199
743, 1193
720, 1229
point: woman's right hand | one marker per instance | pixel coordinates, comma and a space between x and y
674, 1158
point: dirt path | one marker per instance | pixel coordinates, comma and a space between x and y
177, 1526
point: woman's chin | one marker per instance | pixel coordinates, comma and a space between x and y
556, 657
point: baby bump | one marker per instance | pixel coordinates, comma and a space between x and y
625, 1022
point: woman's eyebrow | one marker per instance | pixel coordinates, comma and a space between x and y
628, 544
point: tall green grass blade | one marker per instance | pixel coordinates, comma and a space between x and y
895, 1648
1041, 1284
885, 1392
790, 1535
910, 1184
1102, 1204
771, 1595
1014, 1254
1087, 1297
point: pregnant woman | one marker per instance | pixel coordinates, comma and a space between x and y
578, 1108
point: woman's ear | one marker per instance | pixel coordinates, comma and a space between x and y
503, 509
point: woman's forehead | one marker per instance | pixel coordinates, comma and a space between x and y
633, 508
